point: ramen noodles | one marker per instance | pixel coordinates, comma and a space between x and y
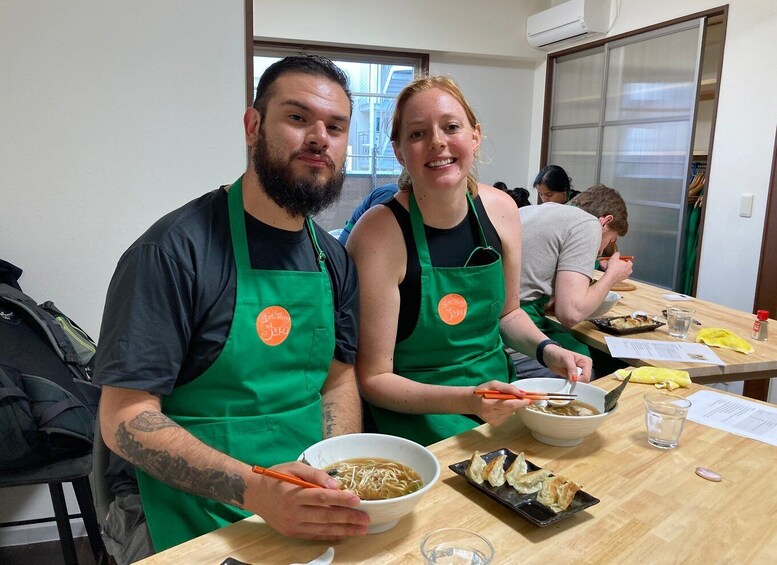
374, 478
574, 408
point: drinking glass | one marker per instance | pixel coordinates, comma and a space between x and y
678, 321
664, 418
456, 546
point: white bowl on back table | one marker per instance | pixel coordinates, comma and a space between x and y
609, 301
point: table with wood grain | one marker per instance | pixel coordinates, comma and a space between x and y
653, 507
757, 366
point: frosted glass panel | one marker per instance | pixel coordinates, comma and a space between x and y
653, 78
651, 239
647, 162
575, 151
578, 90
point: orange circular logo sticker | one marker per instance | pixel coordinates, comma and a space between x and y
452, 309
273, 325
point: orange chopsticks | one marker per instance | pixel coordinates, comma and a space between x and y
622, 258
283, 477
499, 395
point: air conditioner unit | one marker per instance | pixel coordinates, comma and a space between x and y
570, 20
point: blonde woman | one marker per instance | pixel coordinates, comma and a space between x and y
439, 268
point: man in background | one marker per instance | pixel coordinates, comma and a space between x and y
560, 246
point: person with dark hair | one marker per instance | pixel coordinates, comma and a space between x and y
560, 246
554, 185
229, 332
439, 267
520, 195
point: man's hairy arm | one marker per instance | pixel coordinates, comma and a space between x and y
134, 427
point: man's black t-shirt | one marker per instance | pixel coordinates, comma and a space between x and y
169, 305
170, 302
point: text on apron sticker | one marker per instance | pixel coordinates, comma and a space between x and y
452, 309
273, 325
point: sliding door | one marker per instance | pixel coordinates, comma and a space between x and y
623, 115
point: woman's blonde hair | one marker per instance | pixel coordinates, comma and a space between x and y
420, 85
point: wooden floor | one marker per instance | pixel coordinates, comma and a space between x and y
48, 553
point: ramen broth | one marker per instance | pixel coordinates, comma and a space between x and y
574, 408
374, 478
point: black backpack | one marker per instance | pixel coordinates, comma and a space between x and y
48, 403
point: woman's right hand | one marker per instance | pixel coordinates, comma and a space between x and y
497, 412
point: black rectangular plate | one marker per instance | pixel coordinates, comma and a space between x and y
525, 505
604, 325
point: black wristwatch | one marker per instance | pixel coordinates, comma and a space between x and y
541, 349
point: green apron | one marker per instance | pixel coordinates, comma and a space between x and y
536, 311
456, 339
260, 401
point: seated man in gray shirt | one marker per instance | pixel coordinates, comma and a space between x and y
560, 246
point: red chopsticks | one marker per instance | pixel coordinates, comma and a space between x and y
283, 477
499, 395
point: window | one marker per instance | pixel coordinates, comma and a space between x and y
375, 80
622, 113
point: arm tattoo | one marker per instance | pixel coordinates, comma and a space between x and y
329, 419
175, 470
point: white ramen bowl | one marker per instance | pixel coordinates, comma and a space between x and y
563, 431
384, 514
609, 301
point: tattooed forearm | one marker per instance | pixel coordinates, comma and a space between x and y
329, 419
175, 470
150, 421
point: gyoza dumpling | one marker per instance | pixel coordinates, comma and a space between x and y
517, 468
557, 493
530, 482
495, 471
475, 470
549, 492
566, 494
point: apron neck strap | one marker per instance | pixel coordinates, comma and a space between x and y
419, 234
237, 226
320, 255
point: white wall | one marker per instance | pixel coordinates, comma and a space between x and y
112, 114
491, 28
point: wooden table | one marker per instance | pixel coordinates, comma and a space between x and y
653, 509
760, 365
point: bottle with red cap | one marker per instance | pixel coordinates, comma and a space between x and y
761, 325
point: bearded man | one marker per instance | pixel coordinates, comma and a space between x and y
229, 335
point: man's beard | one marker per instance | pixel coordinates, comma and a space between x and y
298, 195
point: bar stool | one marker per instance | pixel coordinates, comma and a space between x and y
75, 471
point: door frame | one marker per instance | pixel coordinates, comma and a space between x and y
765, 295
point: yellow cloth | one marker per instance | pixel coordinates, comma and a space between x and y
718, 337
669, 379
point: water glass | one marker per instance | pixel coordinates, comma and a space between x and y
678, 321
664, 418
456, 546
